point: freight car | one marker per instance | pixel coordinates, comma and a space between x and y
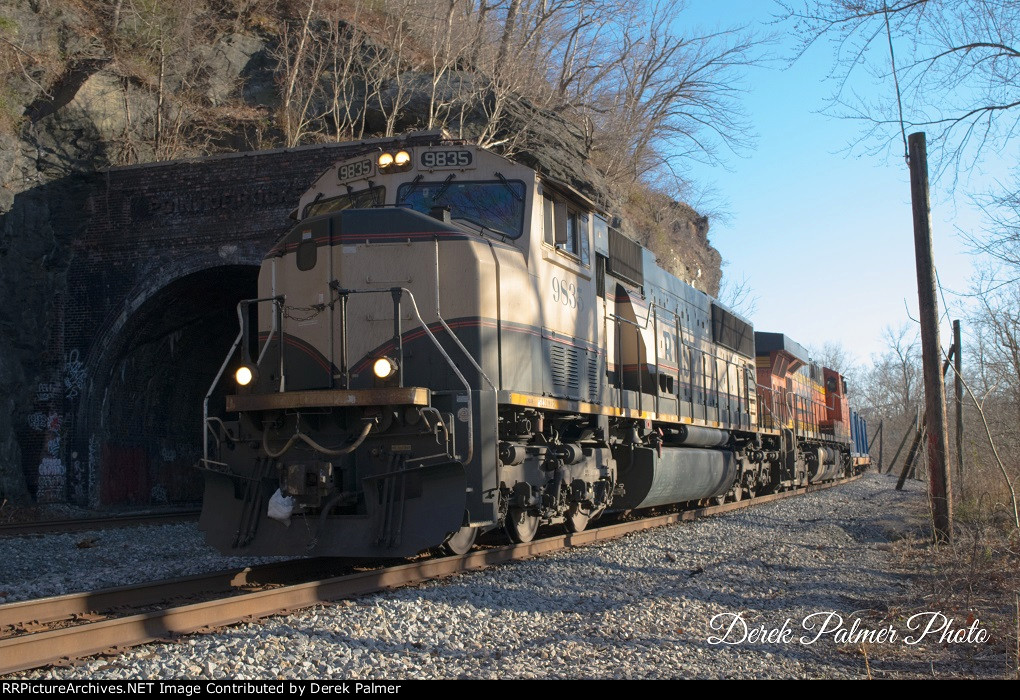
448, 342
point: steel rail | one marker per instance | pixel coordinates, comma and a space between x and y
54, 646
16, 616
101, 523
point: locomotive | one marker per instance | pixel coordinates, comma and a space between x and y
448, 342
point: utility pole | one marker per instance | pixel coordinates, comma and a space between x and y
957, 369
931, 351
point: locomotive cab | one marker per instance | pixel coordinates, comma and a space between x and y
369, 370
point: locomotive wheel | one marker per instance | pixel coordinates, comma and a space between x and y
750, 488
577, 518
521, 525
461, 541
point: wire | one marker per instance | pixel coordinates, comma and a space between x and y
942, 293
896, 82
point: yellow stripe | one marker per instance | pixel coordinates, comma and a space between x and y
582, 407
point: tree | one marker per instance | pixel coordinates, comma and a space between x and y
996, 321
992, 432
890, 388
956, 63
303, 60
836, 356
738, 295
950, 68
670, 97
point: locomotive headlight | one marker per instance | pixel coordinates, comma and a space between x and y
244, 375
385, 160
402, 158
384, 367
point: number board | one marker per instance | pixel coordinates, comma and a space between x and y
354, 171
446, 159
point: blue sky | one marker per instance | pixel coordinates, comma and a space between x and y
823, 236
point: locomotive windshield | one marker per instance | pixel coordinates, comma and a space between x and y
497, 206
372, 197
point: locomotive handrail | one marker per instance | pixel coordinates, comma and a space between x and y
805, 404
619, 362
637, 329
453, 366
776, 420
621, 319
435, 341
226, 361
790, 400
648, 317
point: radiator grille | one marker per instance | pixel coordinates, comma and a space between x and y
593, 378
566, 373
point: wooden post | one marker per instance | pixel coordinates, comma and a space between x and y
881, 441
920, 426
939, 485
957, 370
908, 466
903, 442
871, 441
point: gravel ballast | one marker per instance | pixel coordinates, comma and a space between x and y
638, 607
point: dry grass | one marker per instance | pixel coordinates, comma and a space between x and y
976, 578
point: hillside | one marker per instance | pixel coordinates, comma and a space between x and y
93, 84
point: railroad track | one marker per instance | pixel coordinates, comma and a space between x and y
57, 630
78, 525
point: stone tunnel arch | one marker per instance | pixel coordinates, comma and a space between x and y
144, 409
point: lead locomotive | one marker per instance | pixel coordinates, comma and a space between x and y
448, 342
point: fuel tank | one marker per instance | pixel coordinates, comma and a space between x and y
678, 474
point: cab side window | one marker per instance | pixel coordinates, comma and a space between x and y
566, 228
548, 220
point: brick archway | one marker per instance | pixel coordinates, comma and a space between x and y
145, 424
137, 247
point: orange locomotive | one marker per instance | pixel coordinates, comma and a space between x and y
804, 403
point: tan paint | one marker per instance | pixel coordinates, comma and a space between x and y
538, 285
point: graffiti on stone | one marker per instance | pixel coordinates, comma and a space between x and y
158, 494
77, 479
52, 478
74, 375
47, 391
51, 467
50, 423
93, 473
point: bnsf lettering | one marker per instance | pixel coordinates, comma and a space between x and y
445, 159
668, 343
352, 171
672, 349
